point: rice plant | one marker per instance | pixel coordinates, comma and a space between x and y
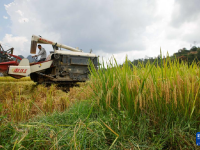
152, 106
23, 100
169, 89
11, 79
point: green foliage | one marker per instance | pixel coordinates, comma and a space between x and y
183, 54
72, 129
194, 48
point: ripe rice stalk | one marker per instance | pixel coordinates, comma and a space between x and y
170, 87
23, 100
11, 79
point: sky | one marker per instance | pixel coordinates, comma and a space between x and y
138, 29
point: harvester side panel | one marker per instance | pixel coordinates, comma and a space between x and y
73, 68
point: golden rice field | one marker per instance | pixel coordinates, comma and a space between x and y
22, 99
11, 79
171, 88
152, 106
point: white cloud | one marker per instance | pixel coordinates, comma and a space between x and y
120, 57
19, 43
114, 27
185, 11
23, 20
20, 13
5, 17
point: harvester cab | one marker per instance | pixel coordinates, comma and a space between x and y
62, 67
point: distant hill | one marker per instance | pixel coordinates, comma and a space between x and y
183, 54
31, 60
20, 57
188, 55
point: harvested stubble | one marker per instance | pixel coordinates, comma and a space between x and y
10, 79
21, 101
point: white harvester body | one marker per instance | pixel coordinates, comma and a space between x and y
60, 66
24, 68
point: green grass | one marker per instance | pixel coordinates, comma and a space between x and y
65, 130
83, 127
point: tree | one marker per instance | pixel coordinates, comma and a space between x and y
194, 48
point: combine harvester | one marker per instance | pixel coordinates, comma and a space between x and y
60, 67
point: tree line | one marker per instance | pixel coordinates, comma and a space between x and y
183, 55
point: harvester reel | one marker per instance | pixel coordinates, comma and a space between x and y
4, 54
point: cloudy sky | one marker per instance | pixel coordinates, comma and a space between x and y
137, 28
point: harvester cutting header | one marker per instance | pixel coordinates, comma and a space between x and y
63, 67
